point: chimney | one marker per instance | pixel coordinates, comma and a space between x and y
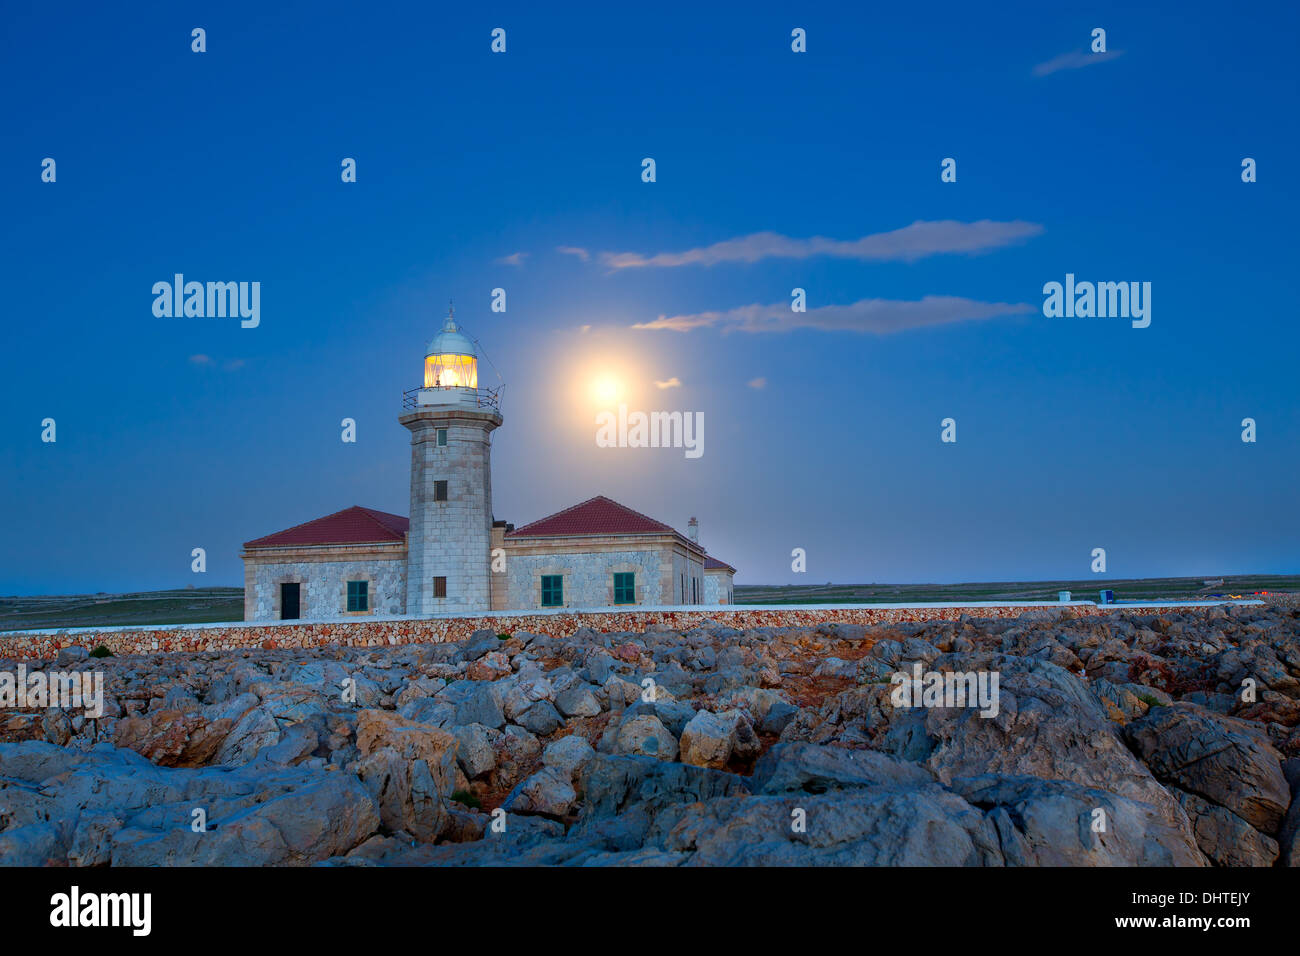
693, 530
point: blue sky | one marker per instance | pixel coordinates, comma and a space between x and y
1072, 433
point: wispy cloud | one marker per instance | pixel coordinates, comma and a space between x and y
907, 244
578, 251
514, 259
207, 361
1074, 60
878, 316
673, 382
758, 383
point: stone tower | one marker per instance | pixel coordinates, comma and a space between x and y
451, 422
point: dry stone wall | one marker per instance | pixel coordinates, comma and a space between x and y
37, 645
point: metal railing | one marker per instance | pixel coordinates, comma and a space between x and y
487, 397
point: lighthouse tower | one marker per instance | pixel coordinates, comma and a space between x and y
451, 422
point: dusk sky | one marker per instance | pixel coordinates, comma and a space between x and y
774, 170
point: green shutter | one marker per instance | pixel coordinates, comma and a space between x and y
552, 590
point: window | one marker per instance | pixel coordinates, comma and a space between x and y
440, 491
442, 436
358, 595
625, 587
683, 589
440, 587
552, 590
695, 590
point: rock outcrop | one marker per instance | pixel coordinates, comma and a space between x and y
1126, 740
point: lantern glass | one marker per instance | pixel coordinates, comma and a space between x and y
450, 370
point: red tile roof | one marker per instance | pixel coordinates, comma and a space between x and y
353, 525
713, 564
599, 515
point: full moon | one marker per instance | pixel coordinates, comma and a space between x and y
606, 389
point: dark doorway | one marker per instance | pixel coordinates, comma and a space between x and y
289, 602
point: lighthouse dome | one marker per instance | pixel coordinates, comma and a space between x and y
451, 341
451, 362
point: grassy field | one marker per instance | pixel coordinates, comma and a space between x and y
1140, 589
182, 606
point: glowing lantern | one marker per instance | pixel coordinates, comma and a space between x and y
450, 370
451, 362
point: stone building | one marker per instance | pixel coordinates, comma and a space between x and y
350, 562
717, 581
451, 556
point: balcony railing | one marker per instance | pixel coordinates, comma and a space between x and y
486, 397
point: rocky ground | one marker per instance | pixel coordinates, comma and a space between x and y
1130, 739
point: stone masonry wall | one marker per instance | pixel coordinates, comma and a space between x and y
450, 538
588, 577
30, 645
323, 586
717, 587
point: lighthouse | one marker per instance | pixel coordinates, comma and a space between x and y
451, 421
450, 557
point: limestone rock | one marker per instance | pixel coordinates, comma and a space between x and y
253, 731
570, 754
1205, 754
578, 701
710, 740
646, 736
410, 769
1289, 836
1060, 823
806, 768
870, 827
474, 750
113, 806
1225, 838
541, 718
548, 792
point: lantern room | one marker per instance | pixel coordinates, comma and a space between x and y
450, 367
451, 374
